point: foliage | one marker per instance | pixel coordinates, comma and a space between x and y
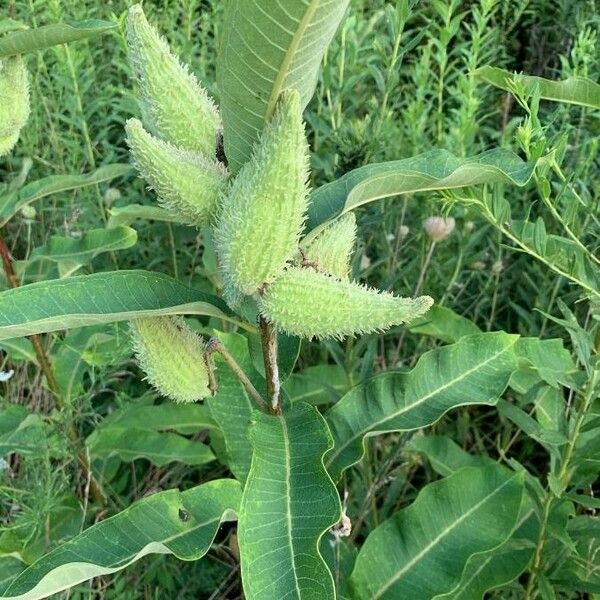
446, 452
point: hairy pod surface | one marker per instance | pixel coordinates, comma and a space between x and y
307, 303
330, 251
14, 101
179, 109
263, 214
172, 356
187, 184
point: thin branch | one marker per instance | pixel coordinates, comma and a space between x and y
269, 347
215, 345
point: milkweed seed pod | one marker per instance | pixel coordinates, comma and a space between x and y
172, 356
330, 251
187, 184
14, 101
177, 106
262, 216
309, 304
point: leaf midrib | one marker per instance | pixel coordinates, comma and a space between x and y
373, 426
288, 58
382, 590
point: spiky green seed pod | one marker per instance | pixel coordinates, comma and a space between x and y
330, 251
187, 184
172, 356
177, 106
262, 216
14, 101
309, 304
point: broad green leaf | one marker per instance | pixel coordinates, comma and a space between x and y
422, 550
319, 384
180, 523
545, 360
574, 90
444, 454
289, 501
126, 215
32, 40
11, 203
268, 47
475, 370
160, 448
100, 298
182, 418
435, 170
83, 249
231, 407
501, 565
444, 324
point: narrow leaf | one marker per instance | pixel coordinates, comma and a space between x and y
435, 170
444, 324
269, 47
11, 203
475, 370
100, 298
288, 503
32, 40
126, 215
180, 523
422, 550
574, 90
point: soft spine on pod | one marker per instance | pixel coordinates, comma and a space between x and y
187, 184
14, 101
330, 251
309, 304
177, 106
262, 216
172, 356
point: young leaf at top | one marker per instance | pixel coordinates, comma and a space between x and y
422, 550
288, 39
574, 90
289, 501
149, 526
475, 370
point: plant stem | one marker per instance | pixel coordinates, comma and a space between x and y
269, 347
564, 478
215, 345
46, 367
35, 339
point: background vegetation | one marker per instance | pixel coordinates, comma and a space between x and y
392, 86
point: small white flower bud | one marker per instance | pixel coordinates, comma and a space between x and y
439, 228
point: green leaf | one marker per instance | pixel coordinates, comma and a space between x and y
422, 550
26, 433
574, 90
319, 384
445, 455
501, 565
444, 324
475, 370
84, 249
289, 501
32, 40
160, 448
180, 523
11, 203
100, 298
126, 215
266, 48
435, 170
